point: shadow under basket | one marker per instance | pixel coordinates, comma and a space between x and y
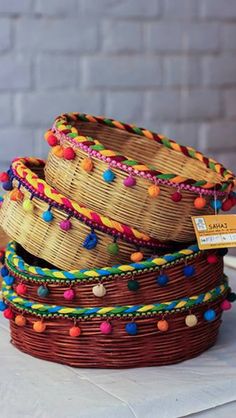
137, 176
150, 347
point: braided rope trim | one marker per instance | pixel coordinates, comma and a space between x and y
65, 131
17, 262
173, 306
38, 187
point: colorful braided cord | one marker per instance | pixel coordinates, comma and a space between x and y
185, 303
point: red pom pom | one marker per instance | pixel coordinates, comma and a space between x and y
4, 177
2, 256
176, 197
227, 205
52, 140
8, 313
69, 153
212, 259
21, 289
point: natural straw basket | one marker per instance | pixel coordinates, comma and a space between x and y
138, 336
175, 275
127, 172
38, 217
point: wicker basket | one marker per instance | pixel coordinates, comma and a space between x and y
127, 172
59, 230
138, 336
188, 272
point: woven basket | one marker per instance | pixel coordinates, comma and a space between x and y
141, 338
188, 272
138, 165
32, 212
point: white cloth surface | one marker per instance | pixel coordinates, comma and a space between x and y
202, 387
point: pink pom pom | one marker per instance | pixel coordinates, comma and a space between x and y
65, 225
69, 153
129, 181
212, 259
69, 294
105, 328
225, 305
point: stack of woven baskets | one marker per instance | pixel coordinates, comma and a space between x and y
102, 269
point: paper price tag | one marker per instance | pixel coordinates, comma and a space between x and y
215, 231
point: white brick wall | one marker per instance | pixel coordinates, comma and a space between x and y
169, 65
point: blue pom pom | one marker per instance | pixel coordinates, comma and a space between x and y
42, 291
3, 306
9, 280
131, 328
47, 216
209, 315
189, 271
7, 185
4, 271
162, 280
1, 199
108, 176
216, 204
90, 241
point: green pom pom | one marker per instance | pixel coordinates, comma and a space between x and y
133, 285
113, 248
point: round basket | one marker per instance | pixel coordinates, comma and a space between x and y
175, 275
116, 337
59, 230
138, 177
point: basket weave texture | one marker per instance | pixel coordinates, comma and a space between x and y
150, 159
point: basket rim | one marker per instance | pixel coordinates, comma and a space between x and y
122, 269
65, 131
173, 306
21, 171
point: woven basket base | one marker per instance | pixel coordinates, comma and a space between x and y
92, 349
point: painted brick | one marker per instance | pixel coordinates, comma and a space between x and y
230, 104
56, 71
122, 36
15, 6
56, 7
17, 142
200, 104
180, 9
182, 71
218, 135
124, 8
126, 106
176, 36
56, 35
5, 34
5, 109
40, 109
164, 106
219, 70
183, 133
122, 71
218, 9
229, 37
17, 70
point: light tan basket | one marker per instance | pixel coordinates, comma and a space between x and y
85, 147
21, 217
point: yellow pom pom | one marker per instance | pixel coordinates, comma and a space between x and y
28, 206
58, 151
153, 190
87, 165
136, 257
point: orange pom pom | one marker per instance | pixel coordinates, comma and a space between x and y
58, 150
16, 195
20, 320
74, 331
200, 202
39, 326
87, 165
153, 190
47, 134
136, 257
163, 325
